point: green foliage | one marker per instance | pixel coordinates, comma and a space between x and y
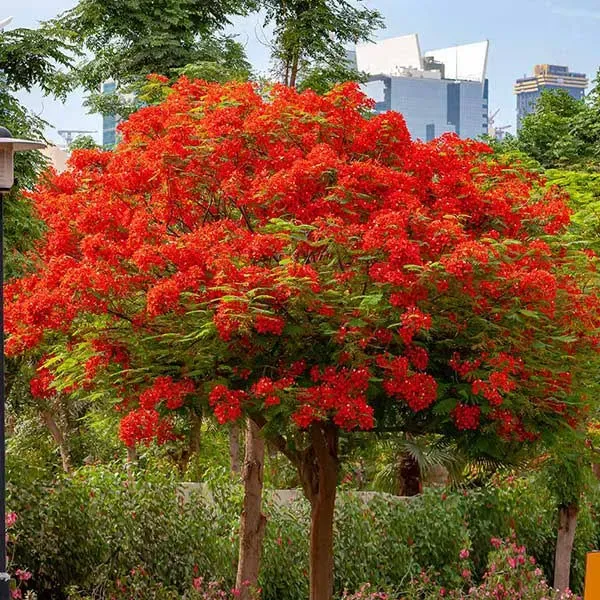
87, 531
129, 39
83, 533
562, 132
20, 226
83, 142
567, 471
547, 134
322, 78
31, 57
587, 125
583, 188
311, 37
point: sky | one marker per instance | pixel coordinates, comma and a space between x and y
522, 33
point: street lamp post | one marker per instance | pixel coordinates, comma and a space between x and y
8, 147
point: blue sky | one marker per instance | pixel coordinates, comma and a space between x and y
521, 33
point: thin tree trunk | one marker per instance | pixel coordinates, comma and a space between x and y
131, 461
294, 69
319, 472
193, 447
564, 545
410, 476
59, 439
253, 522
234, 449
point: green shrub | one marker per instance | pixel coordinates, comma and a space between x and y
81, 535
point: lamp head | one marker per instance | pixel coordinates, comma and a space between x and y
8, 146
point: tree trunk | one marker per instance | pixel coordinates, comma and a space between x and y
410, 476
234, 449
564, 545
193, 447
131, 460
318, 469
294, 69
59, 439
253, 522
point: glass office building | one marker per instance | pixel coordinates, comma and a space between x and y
547, 77
437, 92
109, 122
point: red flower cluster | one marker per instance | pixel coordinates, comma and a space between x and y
418, 390
164, 389
144, 425
267, 389
40, 384
227, 403
466, 416
340, 395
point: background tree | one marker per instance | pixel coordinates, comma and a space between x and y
548, 134
30, 57
568, 471
311, 36
127, 40
83, 142
562, 132
295, 262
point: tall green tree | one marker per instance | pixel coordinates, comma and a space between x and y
548, 134
311, 36
126, 40
587, 125
28, 58
562, 133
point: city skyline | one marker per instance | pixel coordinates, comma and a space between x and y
521, 35
437, 91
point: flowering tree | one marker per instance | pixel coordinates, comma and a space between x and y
298, 261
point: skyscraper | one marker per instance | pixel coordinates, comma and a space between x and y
547, 77
440, 91
109, 122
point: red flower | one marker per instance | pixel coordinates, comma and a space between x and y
466, 416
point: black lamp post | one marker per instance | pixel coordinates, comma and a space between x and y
8, 147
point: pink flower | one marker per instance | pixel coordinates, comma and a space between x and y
197, 583
11, 519
23, 574
465, 574
496, 542
464, 554
16, 593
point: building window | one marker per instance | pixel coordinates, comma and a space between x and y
429, 132
453, 106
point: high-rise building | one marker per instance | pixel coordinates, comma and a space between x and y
547, 77
440, 91
109, 122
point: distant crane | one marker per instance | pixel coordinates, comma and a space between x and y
497, 133
70, 134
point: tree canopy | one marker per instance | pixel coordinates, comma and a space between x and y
129, 39
283, 227
311, 36
562, 132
